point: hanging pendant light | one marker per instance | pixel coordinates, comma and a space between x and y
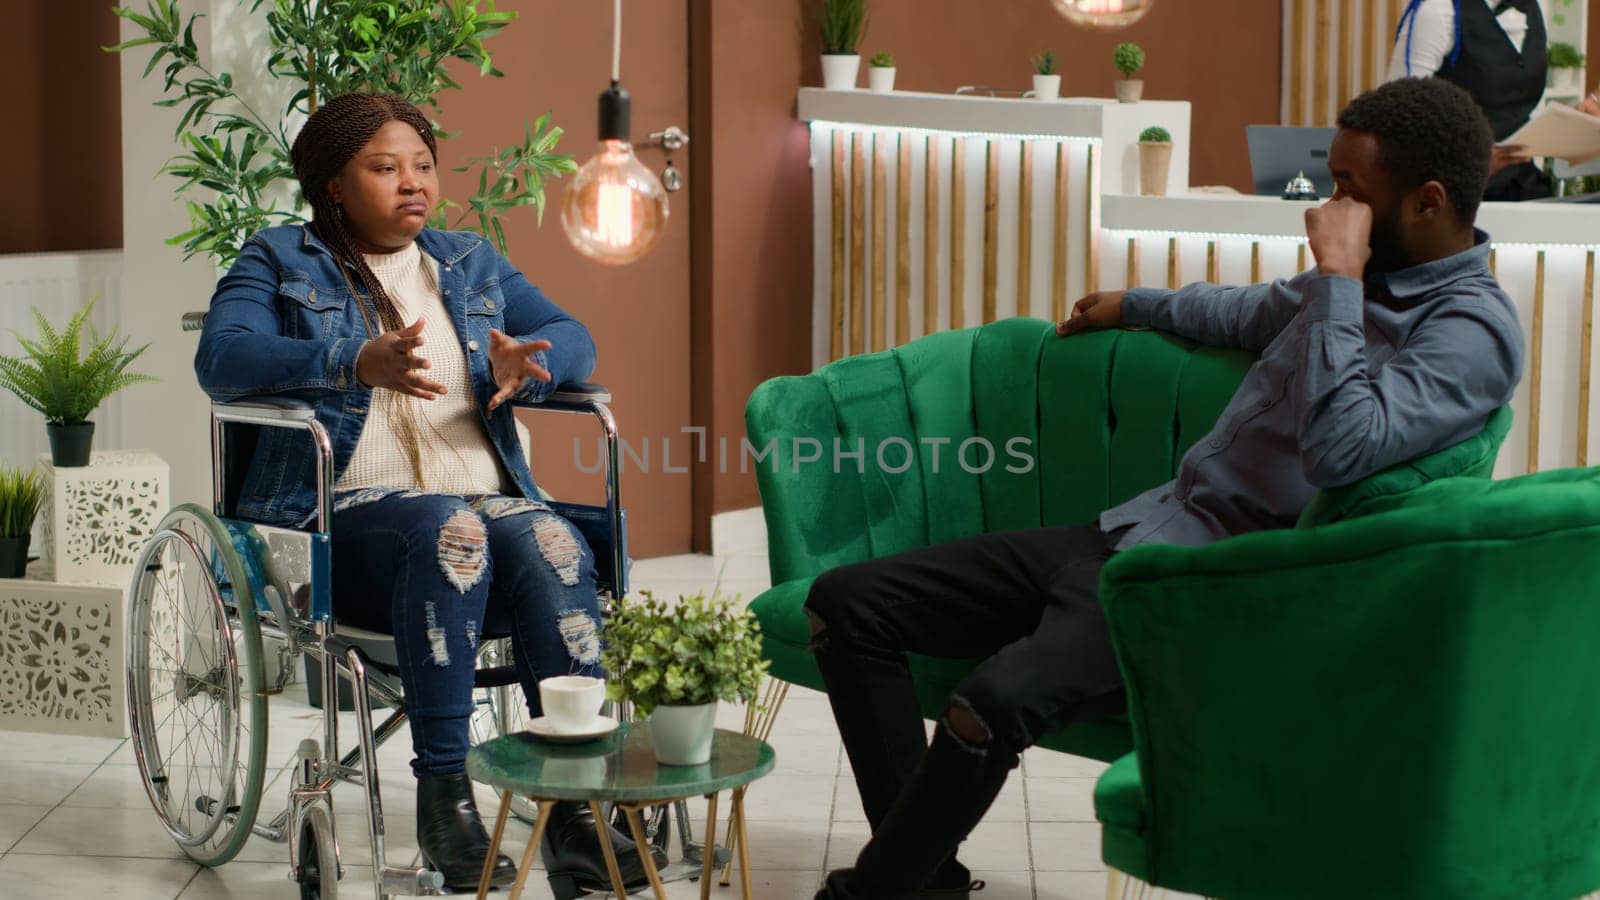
1103, 15
615, 209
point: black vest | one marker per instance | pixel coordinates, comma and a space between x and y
1507, 84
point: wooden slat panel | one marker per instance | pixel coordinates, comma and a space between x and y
1172, 263
902, 242
880, 240
1494, 270
1300, 255
1132, 279
1371, 39
1347, 47
1297, 62
1025, 233
991, 230
1320, 46
1585, 358
958, 231
1058, 243
1536, 363
1091, 217
1396, 7
858, 235
930, 239
1213, 265
1255, 262
836, 279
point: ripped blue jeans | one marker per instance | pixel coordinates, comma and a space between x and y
440, 572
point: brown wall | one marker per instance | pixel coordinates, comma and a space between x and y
62, 158
753, 291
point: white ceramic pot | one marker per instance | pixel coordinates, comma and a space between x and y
1565, 81
839, 71
1046, 87
1155, 161
1129, 90
682, 734
881, 79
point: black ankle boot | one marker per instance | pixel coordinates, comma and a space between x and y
451, 835
575, 860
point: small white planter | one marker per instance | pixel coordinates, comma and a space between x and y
880, 79
1046, 87
682, 734
1565, 81
839, 71
1129, 90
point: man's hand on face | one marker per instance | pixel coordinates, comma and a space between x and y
1102, 309
1340, 233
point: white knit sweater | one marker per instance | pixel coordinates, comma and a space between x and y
457, 457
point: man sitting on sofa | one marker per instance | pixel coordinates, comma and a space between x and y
1398, 344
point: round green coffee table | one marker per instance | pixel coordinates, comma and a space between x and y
620, 769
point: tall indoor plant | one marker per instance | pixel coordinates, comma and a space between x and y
21, 493
674, 662
235, 159
56, 378
843, 22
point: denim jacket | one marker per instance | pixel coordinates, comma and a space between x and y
283, 322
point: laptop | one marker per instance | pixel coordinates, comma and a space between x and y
1279, 153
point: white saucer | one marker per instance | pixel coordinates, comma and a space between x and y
542, 728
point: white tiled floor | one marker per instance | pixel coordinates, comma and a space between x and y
74, 821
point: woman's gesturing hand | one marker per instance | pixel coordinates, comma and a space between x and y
512, 363
390, 361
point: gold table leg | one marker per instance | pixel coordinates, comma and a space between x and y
545, 806
610, 851
494, 844
744, 845
646, 857
710, 844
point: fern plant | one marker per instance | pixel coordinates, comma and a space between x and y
843, 23
55, 378
1045, 63
21, 495
234, 159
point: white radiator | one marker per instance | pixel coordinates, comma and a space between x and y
57, 284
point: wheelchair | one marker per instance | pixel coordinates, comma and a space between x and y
209, 586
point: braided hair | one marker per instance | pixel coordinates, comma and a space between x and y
332, 137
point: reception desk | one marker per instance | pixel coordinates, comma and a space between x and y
934, 211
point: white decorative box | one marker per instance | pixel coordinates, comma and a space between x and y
61, 658
98, 517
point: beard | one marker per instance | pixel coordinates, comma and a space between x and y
1387, 244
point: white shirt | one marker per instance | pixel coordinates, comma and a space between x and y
1432, 33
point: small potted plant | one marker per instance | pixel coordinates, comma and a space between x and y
53, 377
674, 662
1046, 80
1566, 65
843, 22
1155, 160
880, 76
1129, 59
20, 495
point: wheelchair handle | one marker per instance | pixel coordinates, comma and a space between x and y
194, 321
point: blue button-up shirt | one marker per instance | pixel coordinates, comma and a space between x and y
1351, 379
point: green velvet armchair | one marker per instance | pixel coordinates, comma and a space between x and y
1400, 706
1104, 416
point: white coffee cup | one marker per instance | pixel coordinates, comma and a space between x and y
572, 702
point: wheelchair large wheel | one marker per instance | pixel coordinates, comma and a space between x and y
195, 703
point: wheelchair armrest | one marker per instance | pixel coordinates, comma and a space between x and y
265, 410
572, 394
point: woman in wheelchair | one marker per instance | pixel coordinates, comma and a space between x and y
409, 342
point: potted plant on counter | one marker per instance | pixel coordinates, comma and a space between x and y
52, 377
1566, 64
880, 76
843, 22
1046, 80
674, 662
1155, 160
21, 493
1129, 59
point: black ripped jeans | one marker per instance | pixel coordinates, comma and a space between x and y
1024, 602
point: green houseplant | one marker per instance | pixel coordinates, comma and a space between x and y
234, 161
1128, 59
674, 662
1046, 80
880, 76
54, 377
843, 22
21, 493
1566, 68
1155, 160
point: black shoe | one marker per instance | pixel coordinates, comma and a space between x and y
575, 861
952, 882
451, 835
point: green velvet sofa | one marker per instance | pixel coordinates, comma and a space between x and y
1399, 706
1106, 416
